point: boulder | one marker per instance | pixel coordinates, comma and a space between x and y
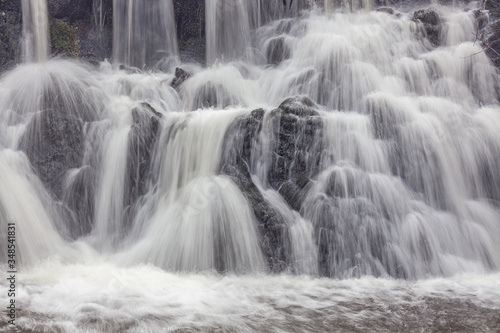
180, 76
432, 24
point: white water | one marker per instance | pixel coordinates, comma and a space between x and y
399, 230
144, 33
35, 31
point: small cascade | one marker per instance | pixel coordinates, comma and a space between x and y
144, 33
25, 203
230, 25
35, 31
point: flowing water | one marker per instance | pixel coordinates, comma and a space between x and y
143, 32
35, 31
140, 207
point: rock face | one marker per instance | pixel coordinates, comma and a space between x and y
10, 32
190, 22
432, 24
493, 41
291, 131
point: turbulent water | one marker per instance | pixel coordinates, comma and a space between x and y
149, 203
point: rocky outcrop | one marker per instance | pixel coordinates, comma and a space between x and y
180, 76
236, 163
296, 151
142, 140
293, 131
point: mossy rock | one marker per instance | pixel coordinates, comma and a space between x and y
63, 39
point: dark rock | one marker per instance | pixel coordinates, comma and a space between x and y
387, 10
277, 51
297, 151
142, 140
271, 225
190, 23
239, 142
295, 191
299, 106
53, 142
180, 76
10, 32
294, 157
493, 47
70, 10
10, 6
432, 24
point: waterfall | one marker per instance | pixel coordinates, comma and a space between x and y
35, 31
99, 14
322, 163
143, 32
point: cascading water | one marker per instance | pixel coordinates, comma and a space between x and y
368, 200
35, 31
143, 32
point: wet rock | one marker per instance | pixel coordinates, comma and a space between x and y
299, 106
296, 153
432, 24
277, 51
295, 191
236, 162
10, 31
142, 140
271, 226
190, 23
53, 142
180, 76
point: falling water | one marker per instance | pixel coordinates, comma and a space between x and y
35, 31
327, 172
143, 32
99, 14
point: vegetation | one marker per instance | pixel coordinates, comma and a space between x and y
63, 38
